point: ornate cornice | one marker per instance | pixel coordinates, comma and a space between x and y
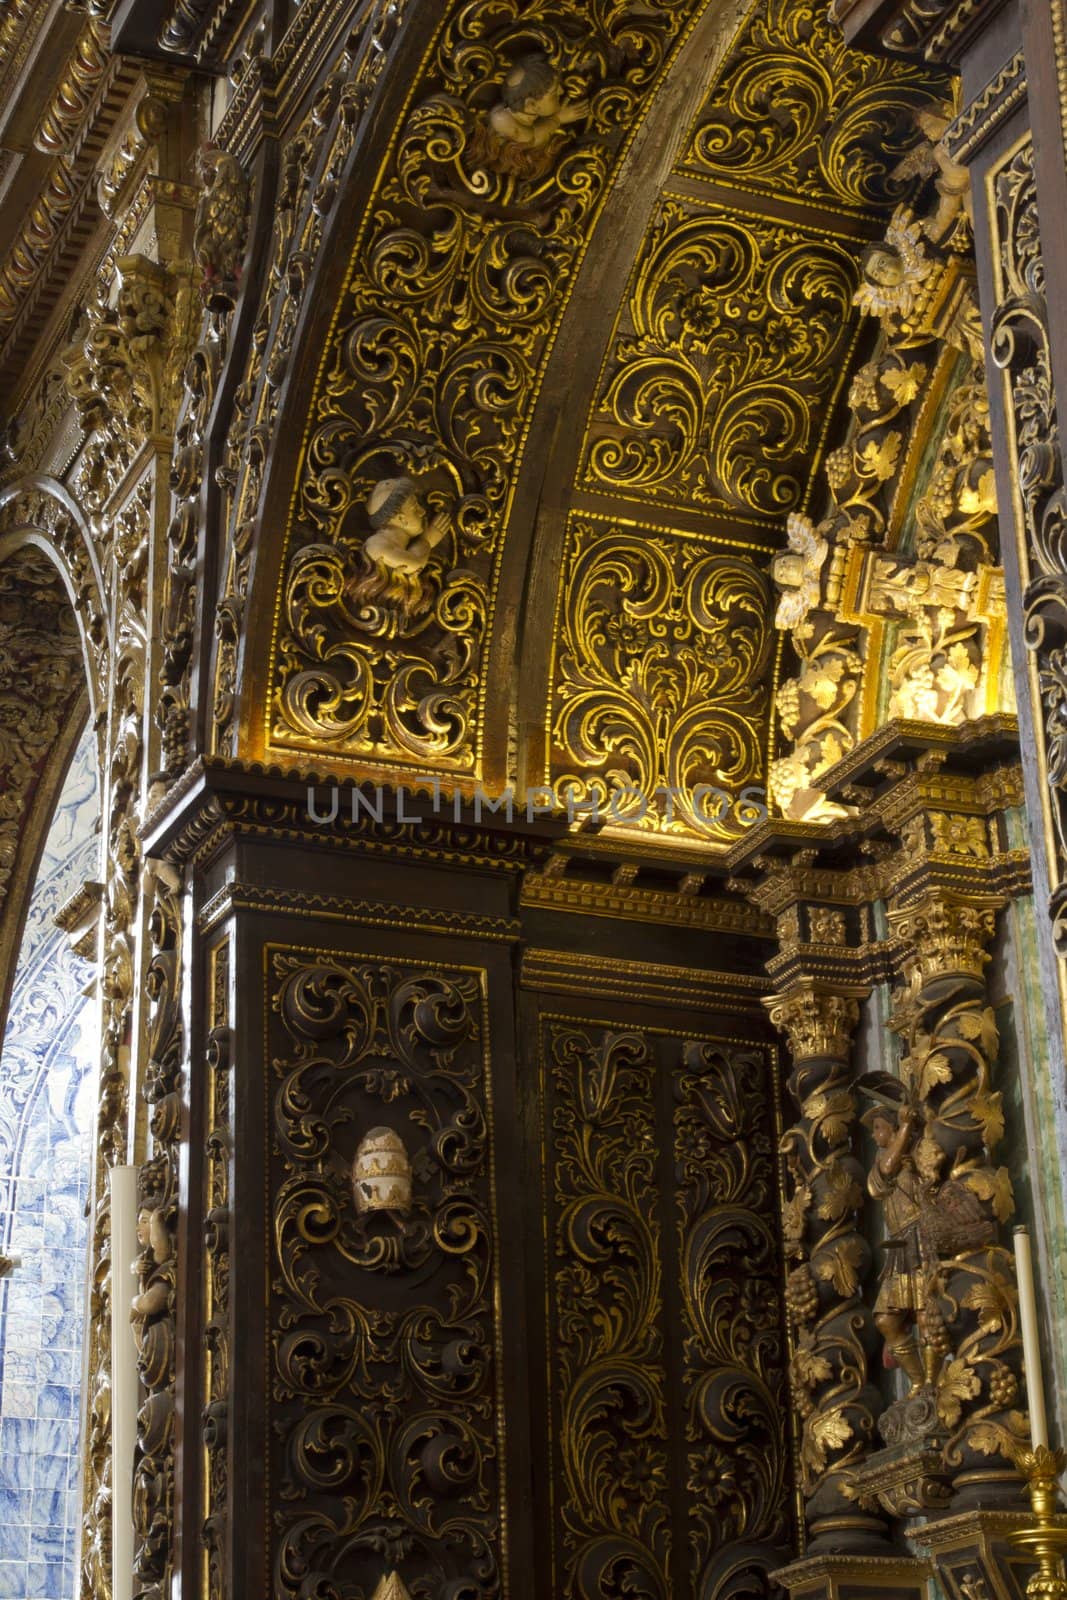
987, 111
639, 982
242, 897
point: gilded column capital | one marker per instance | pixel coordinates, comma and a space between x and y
817, 1020
945, 933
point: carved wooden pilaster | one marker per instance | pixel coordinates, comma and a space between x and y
833, 1330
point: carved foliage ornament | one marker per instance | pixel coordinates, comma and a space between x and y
312, 162
465, 258
663, 646
155, 1308
843, 120
948, 1303
939, 589
218, 243
382, 1425
616, 1428
832, 1330
734, 334
1020, 346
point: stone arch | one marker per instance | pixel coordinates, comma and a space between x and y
53, 674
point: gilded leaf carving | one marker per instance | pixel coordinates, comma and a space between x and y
734, 337
663, 649
797, 111
731, 339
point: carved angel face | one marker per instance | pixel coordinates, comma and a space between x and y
884, 267
410, 517
787, 569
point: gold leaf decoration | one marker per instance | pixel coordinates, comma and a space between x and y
732, 334
658, 681
957, 1383
994, 1186
840, 1265
824, 1430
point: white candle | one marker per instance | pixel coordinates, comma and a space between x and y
125, 1384
1035, 1391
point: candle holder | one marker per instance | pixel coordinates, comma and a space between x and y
1046, 1540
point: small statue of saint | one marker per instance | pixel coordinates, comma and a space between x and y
908, 1280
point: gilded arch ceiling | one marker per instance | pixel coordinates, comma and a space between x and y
701, 427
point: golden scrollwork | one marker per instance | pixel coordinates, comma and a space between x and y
658, 683
458, 275
734, 1356
732, 337
610, 1363
383, 1428
836, 136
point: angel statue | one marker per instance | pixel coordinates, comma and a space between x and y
796, 571
515, 137
895, 270
393, 557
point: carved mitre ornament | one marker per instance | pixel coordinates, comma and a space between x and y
796, 572
381, 1174
392, 1587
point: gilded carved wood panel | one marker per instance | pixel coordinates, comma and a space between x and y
385, 1433
722, 362
660, 698
668, 1458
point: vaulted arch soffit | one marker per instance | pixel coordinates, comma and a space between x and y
54, 651
608, 363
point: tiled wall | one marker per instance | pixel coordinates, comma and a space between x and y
46, 1095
